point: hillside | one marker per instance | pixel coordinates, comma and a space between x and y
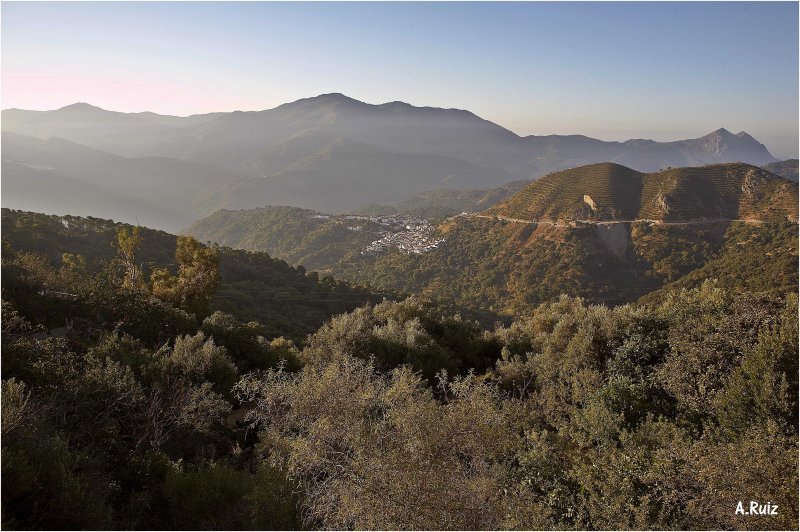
644, 231
342, 175
122, 410
603, 191
61, 177
609, 192
510, 268
757, 259
299, 236
442, 203
286, 300
787, 169
329, 153
33, 187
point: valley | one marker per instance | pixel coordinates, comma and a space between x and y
173, 385
603, 232
354, 276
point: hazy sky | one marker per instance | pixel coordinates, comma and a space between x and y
613, 71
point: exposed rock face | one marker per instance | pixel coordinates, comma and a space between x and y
589, 201
662, 203
753, 182
722, 143
716, 142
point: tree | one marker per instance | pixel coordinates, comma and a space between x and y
128, 242
198, 277
378, 451
73, 263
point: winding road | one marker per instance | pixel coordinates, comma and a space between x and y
602, 222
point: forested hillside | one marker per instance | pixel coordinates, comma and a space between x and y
254, 286
443, 203
603, 232
150, 411
299, 236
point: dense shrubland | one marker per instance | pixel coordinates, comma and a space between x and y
156, 409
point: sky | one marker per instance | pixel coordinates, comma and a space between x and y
608, 70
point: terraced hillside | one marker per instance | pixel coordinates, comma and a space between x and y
723, 191
610, 192
604, 191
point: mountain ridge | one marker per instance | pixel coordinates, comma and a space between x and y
333, 153
154, 190
609, 191
320, 102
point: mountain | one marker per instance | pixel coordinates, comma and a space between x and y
62, 177
395, 126
340, 175
611, 192
717, 147
31, 187
125, 134
336, 154
604, 232
556, 152
787, 169
175, 121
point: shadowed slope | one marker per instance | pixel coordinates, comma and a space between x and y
787, 169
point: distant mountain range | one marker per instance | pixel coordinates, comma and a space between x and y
61, 177
604, 232
330, 153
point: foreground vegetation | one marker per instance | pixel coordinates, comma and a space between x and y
155, 409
